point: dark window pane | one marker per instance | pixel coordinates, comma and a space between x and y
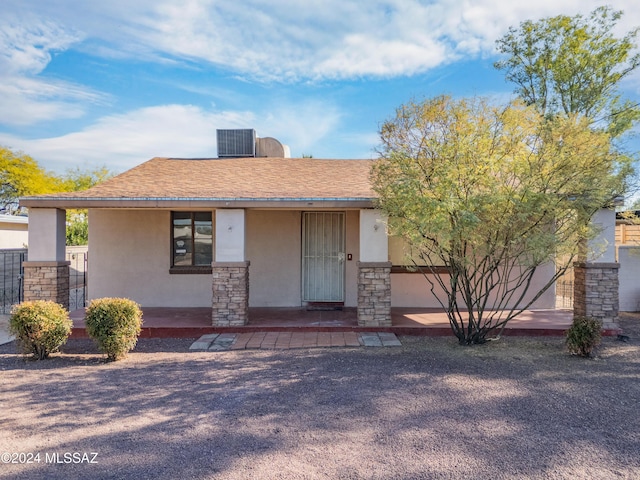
192, 238
204, 217
203, 239
182, 244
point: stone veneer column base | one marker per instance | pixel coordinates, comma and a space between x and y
595, 292
230, 304
47, 281
374, 294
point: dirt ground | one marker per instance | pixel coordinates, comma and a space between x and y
514, 408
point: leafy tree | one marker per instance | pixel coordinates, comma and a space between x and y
573, 65
77, 179
77, 230
21, 175
77, 220
492, 194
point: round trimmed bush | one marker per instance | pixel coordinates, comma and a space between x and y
115, 324
41, 327
583, 336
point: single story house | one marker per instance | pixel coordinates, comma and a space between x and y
232, 233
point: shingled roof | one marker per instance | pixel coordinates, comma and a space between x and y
239, 182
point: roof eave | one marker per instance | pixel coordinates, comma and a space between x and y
13, 219
166, 203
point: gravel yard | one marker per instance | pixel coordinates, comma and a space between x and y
516, 408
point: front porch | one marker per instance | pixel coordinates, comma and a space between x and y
161, 322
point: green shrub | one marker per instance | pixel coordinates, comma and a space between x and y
583, 336
115, 324
41, 327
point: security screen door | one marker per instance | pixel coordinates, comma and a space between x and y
323, 246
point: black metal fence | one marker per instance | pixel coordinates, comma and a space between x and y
12, 275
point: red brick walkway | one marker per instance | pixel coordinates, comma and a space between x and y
283, 340
287, 340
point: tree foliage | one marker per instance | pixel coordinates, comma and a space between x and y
21, 175
492, 193
573, 65
77, 179
77, 220
77, 231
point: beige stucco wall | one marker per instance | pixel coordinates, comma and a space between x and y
629, 287
129, 256
351, 266
13, 235
47, 234
602, 247
274, 248
413, 290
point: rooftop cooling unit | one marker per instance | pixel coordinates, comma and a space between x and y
236, 143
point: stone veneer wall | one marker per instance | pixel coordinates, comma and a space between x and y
47, 281
230, 304
595, 292
374, 294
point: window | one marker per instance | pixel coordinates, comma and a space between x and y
192, 242
403, 260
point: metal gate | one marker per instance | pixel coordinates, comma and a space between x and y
323, 246
564, 293
78, 259
11, 277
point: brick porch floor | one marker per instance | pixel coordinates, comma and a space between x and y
194, 322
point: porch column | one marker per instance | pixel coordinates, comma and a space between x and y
46, 273
230, 301
595, 285
374, 271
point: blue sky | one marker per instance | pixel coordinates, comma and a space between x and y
113, 83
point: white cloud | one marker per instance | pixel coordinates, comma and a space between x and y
26, 43
122, 141
338, 38
26, 100
25, 51
283, 40
292, 40
305, 126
